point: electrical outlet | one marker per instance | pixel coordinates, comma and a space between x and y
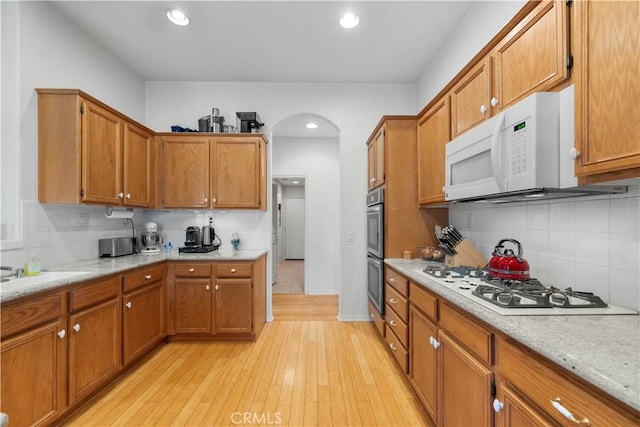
82, 219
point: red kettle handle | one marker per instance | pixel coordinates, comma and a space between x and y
499, 246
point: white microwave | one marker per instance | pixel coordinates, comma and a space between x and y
517, 150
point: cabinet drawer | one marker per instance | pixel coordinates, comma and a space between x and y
470, 334
397, 302
21, 316
400, 283
192, 270
398, 350
377, 318
244, 269
542, 382
142, 277
94, 293
399, 327
422, 299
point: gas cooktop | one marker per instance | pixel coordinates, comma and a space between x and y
518, 297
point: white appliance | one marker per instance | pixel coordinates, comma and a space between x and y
526, 151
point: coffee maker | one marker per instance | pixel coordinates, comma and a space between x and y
150, 240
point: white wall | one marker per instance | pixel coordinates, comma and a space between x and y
354, 109
41, 49
317, 160
481, 23
587, 243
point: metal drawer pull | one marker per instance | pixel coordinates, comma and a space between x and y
373, 316
392, 280
191, 270
128, 305
497, 405
62, 333
393, 300
76, 327
557, 404
393, 346
207, 287
148, 276
233, 270
393, 323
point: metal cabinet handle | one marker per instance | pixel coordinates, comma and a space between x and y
373, 316
121, 195
393, 346
372, 180
494, 102
574, 153
207, 200
557, 404
393, 323
62, 333
191, 270
393, 300
497, 405
214, 200
128, 195
392, 280
148, 276
207, 287
217, 287
483, 109
431, 340
76, 327
128, 305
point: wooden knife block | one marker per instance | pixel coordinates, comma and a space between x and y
466, 254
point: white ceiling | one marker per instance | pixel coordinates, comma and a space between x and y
271, 41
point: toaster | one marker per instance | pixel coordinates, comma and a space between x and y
116, 246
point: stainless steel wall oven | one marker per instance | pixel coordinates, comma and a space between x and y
375, 248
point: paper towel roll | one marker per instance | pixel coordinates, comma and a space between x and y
112, 213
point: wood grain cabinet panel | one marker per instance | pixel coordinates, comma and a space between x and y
376, 155
471, 98
185, 174
138, 174
515, 411
423, 367
607, 90
233, 306
143, 320
95, 348
33, 375
193, 301
434, 131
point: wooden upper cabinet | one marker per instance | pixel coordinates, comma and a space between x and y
185, 175
607, 90
533, 56
238, 172
433, 133
138, 166
90, 153
471, 97
376, 149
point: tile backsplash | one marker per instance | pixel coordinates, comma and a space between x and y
588, 243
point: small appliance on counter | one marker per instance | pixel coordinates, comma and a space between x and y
116, 246
248, 122
200, 241
150, 240
192, 237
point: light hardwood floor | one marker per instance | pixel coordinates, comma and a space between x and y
298, 373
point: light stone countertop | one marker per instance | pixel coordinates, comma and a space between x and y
603, 350
101, 267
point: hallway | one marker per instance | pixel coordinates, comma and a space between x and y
290, 277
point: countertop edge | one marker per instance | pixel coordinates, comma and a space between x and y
512, 326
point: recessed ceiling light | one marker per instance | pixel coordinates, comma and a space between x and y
178, 17
296, 182
349, 20
311, 125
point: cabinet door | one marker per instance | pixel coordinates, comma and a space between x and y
234, 308
101, 155
533, 56
371, 166
237, 173
138, 164
33, 376
143, 321
380, 157
95, 348
433, 133
464, 383
513, 411
607, 88
185, 180
470, 99
193, 303
423, 360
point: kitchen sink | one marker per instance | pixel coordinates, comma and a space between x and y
44, 277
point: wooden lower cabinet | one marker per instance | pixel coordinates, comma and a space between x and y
34, 370
193, 301
233, 306
512, 410
143, 321
95, 348
423, 367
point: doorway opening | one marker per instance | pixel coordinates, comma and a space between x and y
288, 235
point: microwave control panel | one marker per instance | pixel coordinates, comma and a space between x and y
518, 157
